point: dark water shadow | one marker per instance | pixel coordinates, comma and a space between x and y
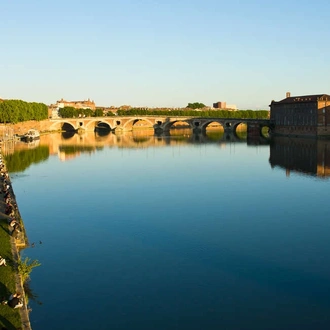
68, 134
30, 294
103, 131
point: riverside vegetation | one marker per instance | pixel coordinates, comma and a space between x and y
14, 111
10, 318
70, 112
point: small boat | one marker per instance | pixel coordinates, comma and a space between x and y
31, 135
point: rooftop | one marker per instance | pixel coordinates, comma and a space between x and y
304, 98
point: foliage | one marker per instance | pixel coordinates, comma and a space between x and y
25, 267
196, 105
20, 160
98, 113
67, 112
244, 114
71, 112
14, 111
8, 317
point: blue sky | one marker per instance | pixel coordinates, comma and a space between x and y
164, 53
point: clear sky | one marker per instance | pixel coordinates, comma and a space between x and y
164, 52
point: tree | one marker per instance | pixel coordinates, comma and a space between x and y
196, 105
67, 112
98, 113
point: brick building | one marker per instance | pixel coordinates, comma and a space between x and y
220, 105
86, 104
307, 115
224, 106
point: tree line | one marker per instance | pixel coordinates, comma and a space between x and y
244, 114
71, 112
14, 111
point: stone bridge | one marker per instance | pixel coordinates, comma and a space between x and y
158, 123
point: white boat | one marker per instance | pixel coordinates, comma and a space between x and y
31, 135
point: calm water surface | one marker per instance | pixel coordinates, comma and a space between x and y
182, 232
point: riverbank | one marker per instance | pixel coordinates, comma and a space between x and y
10, 280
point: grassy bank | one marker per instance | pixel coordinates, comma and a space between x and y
9, 318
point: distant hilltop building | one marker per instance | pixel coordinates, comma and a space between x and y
88, 104
306, 115
53, 108
224, 105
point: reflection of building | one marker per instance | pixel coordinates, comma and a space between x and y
224, 105
309, 156
65, 157
301, 115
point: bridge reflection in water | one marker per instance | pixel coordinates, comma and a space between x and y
143, 138
307, 156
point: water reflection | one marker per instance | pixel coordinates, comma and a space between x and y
308, 156
19, 159
68, 134
196, 243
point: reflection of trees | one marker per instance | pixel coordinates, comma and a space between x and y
215, 135
30, 295
20, 160
74, 149
241, 134
141, 139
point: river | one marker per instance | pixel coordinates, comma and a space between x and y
181, 231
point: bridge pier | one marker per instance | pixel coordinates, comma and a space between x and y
197, 130
158, 130
253, 130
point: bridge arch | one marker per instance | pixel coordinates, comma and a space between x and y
98, 123
132, 122
171, 124
265, 130
63, 126
240, 129
212, 123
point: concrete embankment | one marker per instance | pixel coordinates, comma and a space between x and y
18, 239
